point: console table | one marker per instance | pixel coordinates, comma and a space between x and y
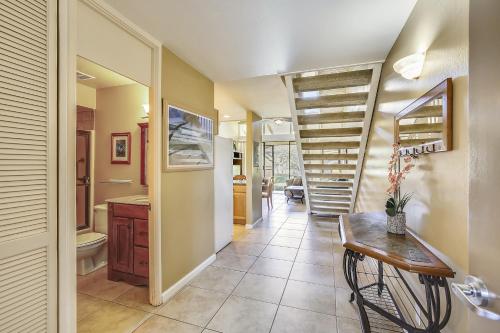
385, 299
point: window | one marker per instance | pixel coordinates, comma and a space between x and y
281, 161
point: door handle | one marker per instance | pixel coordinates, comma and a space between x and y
476, 296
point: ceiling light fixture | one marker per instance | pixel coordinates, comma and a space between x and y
410, 67
278, 121
227, 116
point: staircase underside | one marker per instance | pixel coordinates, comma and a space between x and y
331, 111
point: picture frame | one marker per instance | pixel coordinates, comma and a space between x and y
121, 148
188, 140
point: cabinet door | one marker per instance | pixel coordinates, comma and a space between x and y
141, 232
122, 246
141, 261
239, 207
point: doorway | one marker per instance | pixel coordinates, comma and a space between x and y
82, 179
69, 16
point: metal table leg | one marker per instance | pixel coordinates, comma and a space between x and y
436, 321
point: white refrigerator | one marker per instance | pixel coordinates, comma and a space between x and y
223, 191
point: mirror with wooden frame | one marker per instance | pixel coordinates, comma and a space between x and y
425, 126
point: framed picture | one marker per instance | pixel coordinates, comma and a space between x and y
189, 140
120, 148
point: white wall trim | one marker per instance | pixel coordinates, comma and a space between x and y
67, 137
170, 292
155, 273
67, 161
253, 225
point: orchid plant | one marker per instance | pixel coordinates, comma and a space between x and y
396, 203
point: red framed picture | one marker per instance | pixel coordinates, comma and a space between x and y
120, 148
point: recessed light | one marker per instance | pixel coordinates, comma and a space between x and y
227, 116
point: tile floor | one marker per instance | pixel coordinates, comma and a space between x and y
284, 275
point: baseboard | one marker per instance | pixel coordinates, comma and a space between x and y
170, 292
251, 226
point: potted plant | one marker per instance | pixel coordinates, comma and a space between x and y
394, 207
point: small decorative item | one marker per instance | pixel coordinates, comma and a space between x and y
189, 140
394, 207
120, 148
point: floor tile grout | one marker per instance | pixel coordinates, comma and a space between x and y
308, 232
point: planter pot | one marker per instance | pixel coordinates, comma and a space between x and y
396, 224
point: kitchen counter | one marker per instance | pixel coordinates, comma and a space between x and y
142, 200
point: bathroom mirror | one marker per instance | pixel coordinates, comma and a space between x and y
425, 126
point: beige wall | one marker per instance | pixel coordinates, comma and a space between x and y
254, 179
438, 211
85, 96
187, 203
118, 109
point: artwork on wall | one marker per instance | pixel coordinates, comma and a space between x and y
120, 148
189, 140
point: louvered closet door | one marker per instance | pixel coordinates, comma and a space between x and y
28, 166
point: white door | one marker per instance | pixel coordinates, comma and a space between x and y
223, 191
484, 189
28, 166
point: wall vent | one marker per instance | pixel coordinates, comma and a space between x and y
84, 77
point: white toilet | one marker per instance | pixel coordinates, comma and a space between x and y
92, 250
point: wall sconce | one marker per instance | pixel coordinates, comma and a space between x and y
410, 67
145, 108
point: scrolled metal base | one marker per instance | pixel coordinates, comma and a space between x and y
377, 297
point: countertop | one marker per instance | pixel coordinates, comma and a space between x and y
142, 200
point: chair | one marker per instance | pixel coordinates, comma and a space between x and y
267, 191
293, 193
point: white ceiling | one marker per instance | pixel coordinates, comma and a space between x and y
234, 40
266, 95
103, 77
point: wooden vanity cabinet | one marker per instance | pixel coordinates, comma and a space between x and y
128, 242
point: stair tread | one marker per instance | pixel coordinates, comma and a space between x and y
330, 145
329, 101
426, 111
334, 209
330, 194
332, 117
330, 203
329, 175
332, 166
329, 184
331, 157
330, 132
416, 142
421, 128
333, 81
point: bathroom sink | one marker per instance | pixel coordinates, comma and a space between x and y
142, 200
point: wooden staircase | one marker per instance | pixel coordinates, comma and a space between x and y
331, 112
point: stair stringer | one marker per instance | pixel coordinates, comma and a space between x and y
370, 105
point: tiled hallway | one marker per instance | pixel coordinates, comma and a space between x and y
284, 275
